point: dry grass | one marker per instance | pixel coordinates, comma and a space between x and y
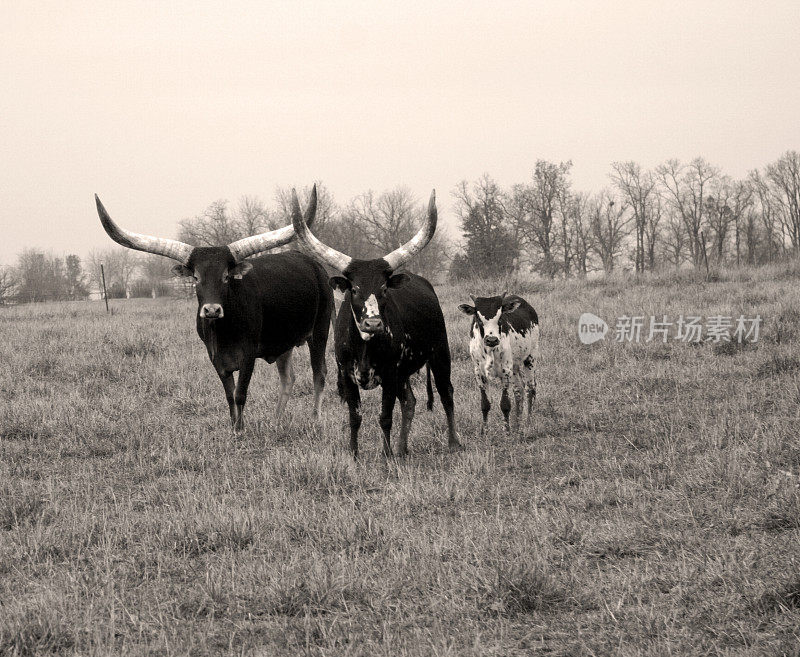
651, 507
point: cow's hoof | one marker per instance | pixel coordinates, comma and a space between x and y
455, 447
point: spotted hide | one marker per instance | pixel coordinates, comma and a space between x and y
390, 324
504, 345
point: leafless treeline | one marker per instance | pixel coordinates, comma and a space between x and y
644, 219
368, 226
668, 216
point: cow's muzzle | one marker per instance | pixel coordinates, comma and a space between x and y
491, 341
212, 311
372, 325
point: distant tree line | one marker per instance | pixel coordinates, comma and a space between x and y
368, 226
42, 276
674, 215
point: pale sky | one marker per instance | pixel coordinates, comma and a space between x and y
164, 107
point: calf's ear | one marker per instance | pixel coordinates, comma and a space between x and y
181, 270
511, 306
467, 309
239, 270
340, 283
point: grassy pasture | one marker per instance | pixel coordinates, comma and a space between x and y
651, 507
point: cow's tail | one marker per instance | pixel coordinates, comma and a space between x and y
429, 387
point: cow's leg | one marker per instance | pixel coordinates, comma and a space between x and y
505, 406
350, 393
387, 408
486, 405
286, 374
505, 399
529, 376
429, 386
229, 384
440, 366
407, 405
316, 349
518, 388
240, 393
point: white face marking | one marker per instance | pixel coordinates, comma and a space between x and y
364, 336
371, 311
491, 327
371, 307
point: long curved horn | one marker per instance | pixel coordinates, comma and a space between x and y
147, 243
411, 248
248, 246
311, 245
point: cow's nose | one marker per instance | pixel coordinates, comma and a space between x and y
373, 323
491, 341
212, 311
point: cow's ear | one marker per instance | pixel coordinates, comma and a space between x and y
511, 306
181, 270
467, 309
340, 283
240, 269
397, 280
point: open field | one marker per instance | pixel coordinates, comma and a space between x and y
651, 507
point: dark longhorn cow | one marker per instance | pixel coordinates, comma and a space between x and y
504, 345
248, 309
388, 326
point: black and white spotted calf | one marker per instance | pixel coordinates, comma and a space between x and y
504, 345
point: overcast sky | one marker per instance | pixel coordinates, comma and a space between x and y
163, 107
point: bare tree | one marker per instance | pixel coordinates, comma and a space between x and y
652, 227
387, 219
772, 238
686, 187
213, 227
539, 202
41, 276
491, 247
327, 210
741, 202
564, 235
154, 272
253, 217
719, 215
784, 178
8, 285
674, 240
582, 239
610, 227
638, 189
120, 266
